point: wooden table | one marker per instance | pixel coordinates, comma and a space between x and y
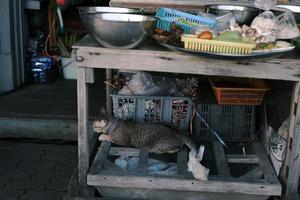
89, 55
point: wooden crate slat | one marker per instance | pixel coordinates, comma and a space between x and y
240, 158
269, 173
256, 173
221, 161
143, 161
181, 184
182, 159
100, 157
123, 151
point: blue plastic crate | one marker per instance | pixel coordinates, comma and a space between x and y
151, 109
167, 16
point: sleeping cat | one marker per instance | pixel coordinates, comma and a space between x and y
156, 138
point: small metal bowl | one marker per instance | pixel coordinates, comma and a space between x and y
242, 14
114, 30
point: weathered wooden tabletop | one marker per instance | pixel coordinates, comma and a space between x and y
152, 57
187, 5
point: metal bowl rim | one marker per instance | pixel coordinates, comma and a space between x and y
226, 7
290, 7
113, 17
107, 9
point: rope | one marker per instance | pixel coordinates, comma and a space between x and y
208, 127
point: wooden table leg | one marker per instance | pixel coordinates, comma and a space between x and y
108, 92
83, 147
291, 166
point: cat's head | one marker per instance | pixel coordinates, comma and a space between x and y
102, 122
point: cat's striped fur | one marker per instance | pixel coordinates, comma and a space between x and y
156, 138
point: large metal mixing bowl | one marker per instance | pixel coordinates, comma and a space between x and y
124, 31
242, 14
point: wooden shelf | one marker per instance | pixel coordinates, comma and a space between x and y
115, 181
152, 57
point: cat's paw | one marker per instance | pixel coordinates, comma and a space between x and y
104, 137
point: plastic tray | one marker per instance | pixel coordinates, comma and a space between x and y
193, 43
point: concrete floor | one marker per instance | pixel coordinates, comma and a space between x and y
47, 111
35, 170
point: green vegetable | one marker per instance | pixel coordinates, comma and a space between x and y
230, 36
184, 21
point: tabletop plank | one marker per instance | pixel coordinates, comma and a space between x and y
187, 5
155, 58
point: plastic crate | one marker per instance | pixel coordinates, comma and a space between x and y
174, 110
167, 16
228, 94
232, 123
192, 42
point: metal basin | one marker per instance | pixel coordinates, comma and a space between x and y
242, 14
124, 31
293, 8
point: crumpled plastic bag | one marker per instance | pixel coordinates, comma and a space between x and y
154, 166
266, 22
142, 83
287, 26
199, 171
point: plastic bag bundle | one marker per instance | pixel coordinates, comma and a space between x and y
266, 22
287, 26
142, 83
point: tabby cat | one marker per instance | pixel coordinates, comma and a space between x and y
156, 138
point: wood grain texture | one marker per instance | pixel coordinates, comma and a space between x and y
294, 147
181, 184
143, 161
240, 158
83, 145
221, 161
182, 159
269, 173
173, 195
256, 173
124, 151
174, 62
100, 157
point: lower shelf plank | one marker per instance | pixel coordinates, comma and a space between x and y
181, 184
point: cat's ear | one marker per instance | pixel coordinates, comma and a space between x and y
103, 111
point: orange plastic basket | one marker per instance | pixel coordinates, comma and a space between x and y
238, 91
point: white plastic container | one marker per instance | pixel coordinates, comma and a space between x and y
69, 68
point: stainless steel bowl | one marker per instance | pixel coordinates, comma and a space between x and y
113, 30
92, 10
293, 8
242, 14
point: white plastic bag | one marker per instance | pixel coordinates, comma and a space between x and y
287, 26
142, 83
199, 171
266, 22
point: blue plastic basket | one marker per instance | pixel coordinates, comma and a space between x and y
167, 16
173, 110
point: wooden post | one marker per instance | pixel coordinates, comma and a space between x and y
292, 170
108, 92
83, 147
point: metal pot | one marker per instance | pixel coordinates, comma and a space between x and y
242, 14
